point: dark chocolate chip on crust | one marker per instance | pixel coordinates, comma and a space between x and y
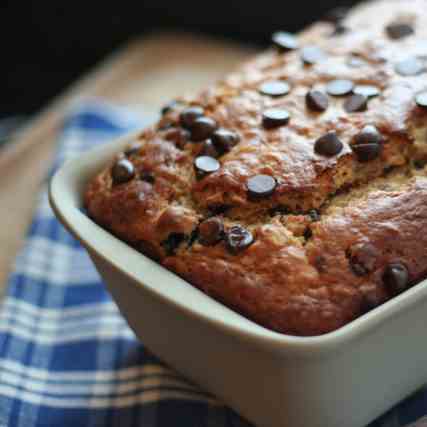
274, 88
399, 30
204, 165
370, 91
284, 41
421, 99
224, 140
209, 149
122, 171
275, 117
202, 128
173, 241
355, 103
189, 115
328, 145
211, 231
396, 277
368, 144
339, 87
362, 258
237, 239
410, 67
316, 100
311, 55
260, 186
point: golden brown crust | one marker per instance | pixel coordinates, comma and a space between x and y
300, 271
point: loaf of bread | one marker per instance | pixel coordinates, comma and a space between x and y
295, 190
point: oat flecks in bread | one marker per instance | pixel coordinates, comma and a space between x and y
338, 229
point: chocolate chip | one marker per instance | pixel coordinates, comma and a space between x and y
170, 107
398, 30
421, 99
275, 117
202, 128
285, 41
409, 67
238, 239
171, 244
279, 210
205, 165
147, 177
274, 88
368, 144
189, 115
208, 149
369, 91
419, 163
356, 103
339, 87
211, 231
339, 30
396, 277
316, 100
122, 171
362, 258
312, 54
260, 186
308, 233
224, 140
328, 145
132, 149
177, 135
370, 300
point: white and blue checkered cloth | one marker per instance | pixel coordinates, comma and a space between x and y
67, 357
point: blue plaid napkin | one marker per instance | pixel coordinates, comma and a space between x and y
67, 358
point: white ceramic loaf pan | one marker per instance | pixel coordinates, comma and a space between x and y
341, 379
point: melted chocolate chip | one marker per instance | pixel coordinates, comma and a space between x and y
171, 244
274, 117
369, 91
238, 239
421, 99
328, 145
208, 149
339, 30
398, 30
356, 103
339, 87
211, 231
285, 41
205, 165
410, 67
122, 171
311, 55
362, 258
316, 100
202, 128
260, 186
274, 88
224, 140
132, 149
189, 115
368, 144
396, 277
179, 136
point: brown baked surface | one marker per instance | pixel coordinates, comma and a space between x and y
328, 237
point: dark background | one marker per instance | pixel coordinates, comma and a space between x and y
46, 44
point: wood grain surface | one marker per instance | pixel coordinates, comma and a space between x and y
146, 72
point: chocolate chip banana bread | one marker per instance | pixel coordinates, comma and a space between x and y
295, 190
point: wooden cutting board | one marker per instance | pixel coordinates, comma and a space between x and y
146, 72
